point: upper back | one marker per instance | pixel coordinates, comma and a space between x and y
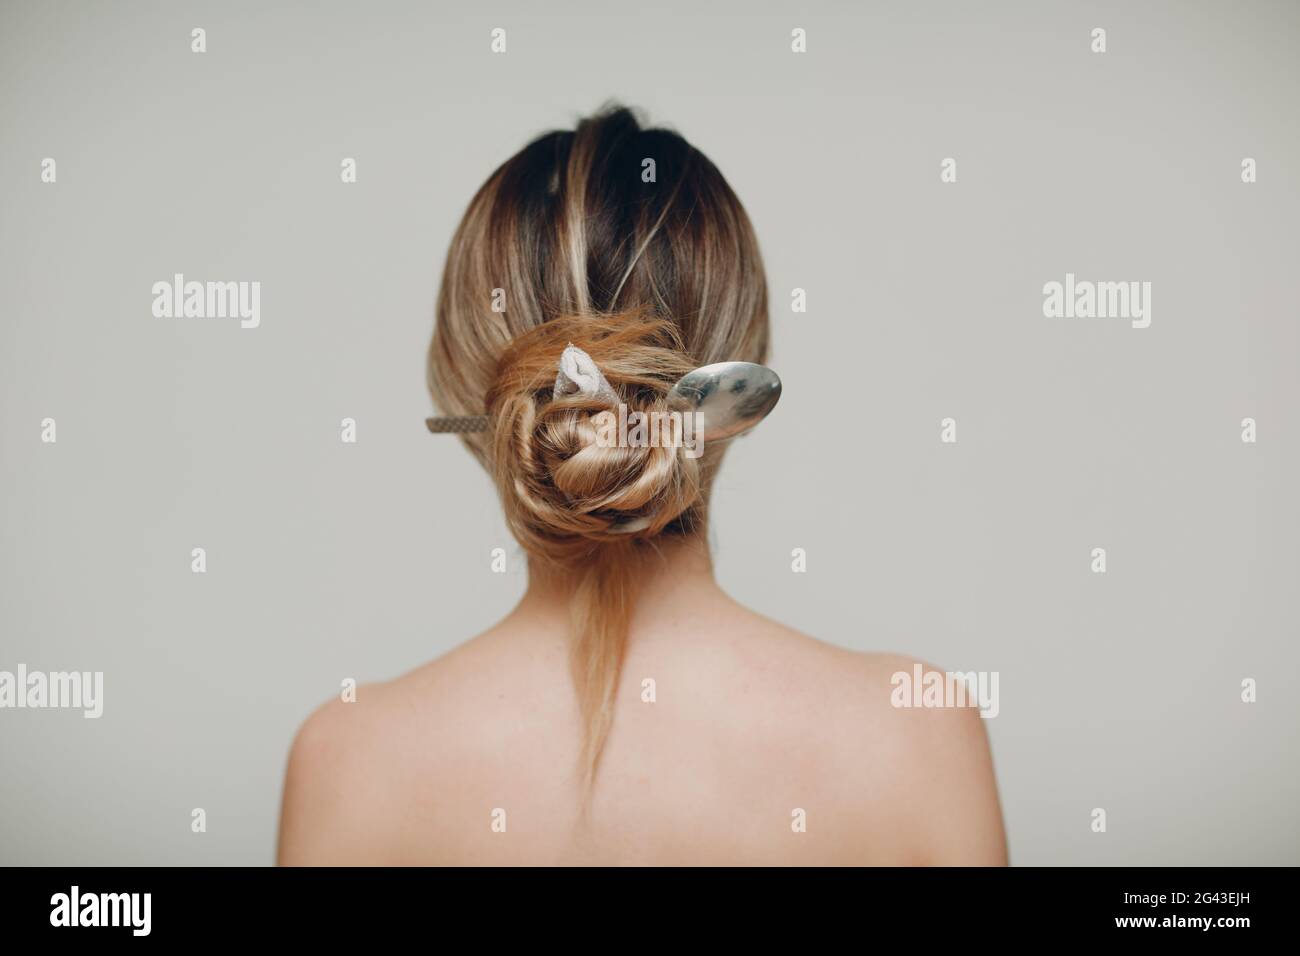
735, 741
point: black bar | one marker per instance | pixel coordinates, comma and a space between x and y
950, 907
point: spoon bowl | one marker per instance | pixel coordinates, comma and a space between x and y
729, 397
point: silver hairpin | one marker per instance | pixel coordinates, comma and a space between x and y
729, 398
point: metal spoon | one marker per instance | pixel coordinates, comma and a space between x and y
730, 397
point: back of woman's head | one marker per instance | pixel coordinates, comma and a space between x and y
629, 244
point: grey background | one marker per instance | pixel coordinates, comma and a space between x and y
328, 560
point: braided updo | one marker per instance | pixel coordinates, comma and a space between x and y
566, 494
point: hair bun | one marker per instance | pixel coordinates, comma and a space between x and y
565, 486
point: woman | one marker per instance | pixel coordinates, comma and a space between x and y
627, 711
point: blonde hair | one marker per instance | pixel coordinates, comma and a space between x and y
651, 279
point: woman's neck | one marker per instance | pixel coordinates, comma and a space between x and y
677, 572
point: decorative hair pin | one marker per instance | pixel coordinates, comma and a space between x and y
578, 374
729, 398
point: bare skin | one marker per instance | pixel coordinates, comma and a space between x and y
752, 721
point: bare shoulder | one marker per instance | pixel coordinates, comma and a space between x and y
905, 781
335, 786
366, 775
932, 765
934, 729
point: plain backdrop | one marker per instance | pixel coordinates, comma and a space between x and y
327, 560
